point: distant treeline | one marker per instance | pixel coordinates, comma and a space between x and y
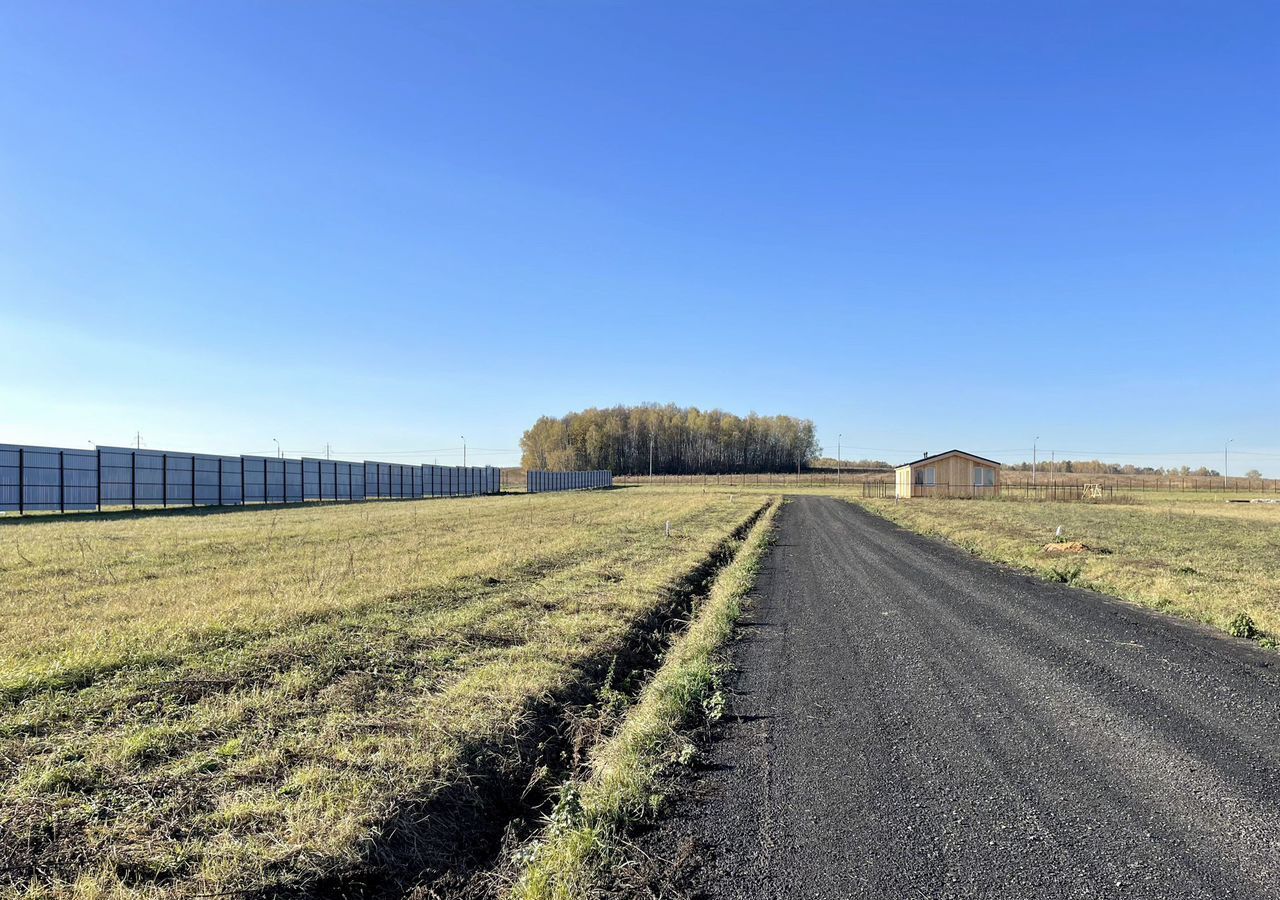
682, 440
1097, 467
830, 462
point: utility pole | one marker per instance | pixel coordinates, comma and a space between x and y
1225, 468
138, 439
326, 449
1033, 458
464, 450
839, 438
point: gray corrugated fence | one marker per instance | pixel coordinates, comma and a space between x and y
57, 479
540, 482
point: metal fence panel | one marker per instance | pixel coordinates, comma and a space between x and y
179, 479
273, 476
115, 476
275, 480
539, 481
79, 479
57, 479
359, 487
41, 479
51, 479
10, 477
148, 478
293, 480
254, 478
311, 479
209, 477
232, 480
264, 479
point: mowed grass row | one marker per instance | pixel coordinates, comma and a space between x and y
198, 703
1193, 555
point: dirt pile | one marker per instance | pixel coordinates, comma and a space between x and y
1067, 547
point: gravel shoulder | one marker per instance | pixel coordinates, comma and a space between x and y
908, 721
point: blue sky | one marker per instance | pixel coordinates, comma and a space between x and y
385, 226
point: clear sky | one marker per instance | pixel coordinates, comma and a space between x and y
382, 227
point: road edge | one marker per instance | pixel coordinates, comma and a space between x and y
1236, 631
584, 839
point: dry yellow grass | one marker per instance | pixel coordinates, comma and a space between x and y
198, 702
1193, 555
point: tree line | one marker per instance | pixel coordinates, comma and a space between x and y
668, 440
1097, 467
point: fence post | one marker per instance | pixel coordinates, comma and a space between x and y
97, 455
220, 481
62, 484
164, 480
22, 481
133, 478
193, 479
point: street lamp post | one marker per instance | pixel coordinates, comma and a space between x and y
279, 452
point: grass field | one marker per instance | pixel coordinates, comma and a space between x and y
1190, 554
205, 702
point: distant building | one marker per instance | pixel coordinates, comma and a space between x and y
951, 474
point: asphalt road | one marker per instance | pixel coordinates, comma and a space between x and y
908, 721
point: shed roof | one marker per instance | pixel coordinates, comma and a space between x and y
924, 459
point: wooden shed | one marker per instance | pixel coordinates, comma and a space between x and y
951, 474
